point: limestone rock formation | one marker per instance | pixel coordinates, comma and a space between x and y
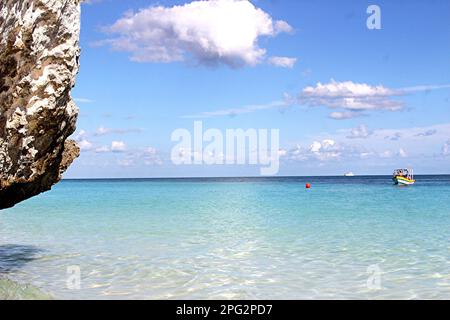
39, 60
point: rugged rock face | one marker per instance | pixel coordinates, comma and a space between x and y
39, 53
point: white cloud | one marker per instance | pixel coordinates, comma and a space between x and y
337, 115
144, 156
394, 137
85, 145
101, 131
346, 89
350, 96
102, 149
151, 157
315, 147
282, 26
402, 153
427, 133
125, 162
81, 137
359, 132
83, 100
386, 154
284, 62
357, 98
374, 149
104, 131
364, 155
118, 146
446, 148
297, 153
210, 32
90, 1
426, 88
282, 152
324, 150
411, 142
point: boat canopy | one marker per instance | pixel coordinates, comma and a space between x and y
408, 173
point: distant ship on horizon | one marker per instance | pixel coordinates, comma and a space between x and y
349, 174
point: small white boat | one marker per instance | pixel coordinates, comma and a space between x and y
349, 174
403, 177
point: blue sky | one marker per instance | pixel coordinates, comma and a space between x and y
345, 98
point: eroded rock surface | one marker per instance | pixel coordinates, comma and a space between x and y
39, 54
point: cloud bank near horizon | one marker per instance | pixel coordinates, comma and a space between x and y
356, 99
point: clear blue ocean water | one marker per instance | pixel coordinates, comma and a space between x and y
246, 238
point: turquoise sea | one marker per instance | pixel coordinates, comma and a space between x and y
246, 238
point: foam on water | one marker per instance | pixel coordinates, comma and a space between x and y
233, 238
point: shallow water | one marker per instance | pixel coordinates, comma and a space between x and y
354, 237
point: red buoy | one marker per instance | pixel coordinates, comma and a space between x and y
308, 186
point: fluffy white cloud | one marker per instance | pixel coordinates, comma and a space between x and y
359, 132
118, 146
315, 146
324, 150
412, 142
81, 138
211, 32
357, 98
284, 62
85, 145
353, 97
151, 157
372, 144
346, 89
131, 157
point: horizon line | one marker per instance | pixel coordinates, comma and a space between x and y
249, 177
